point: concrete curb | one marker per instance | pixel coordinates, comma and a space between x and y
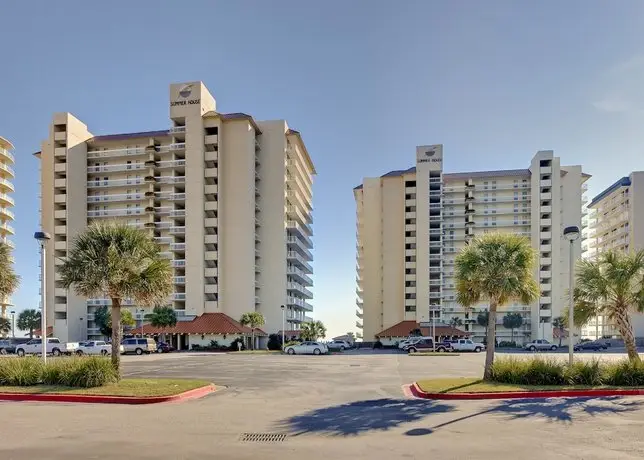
417, 392
91, 399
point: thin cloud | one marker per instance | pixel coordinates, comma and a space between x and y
621, 88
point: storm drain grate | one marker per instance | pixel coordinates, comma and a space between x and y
262, 437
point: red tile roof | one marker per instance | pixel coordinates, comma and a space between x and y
404, 328
208, 323
556, 332
38, 332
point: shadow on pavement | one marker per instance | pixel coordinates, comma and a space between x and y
362, 416
563, 410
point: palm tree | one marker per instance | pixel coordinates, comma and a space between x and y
29, 320
611, 286
455, 321
120, 262
512, 321
5, 326
559, 323
9, 281
162, 317
313, 330
496, 267
253, 320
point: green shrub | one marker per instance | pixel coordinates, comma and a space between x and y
292, 342
20, 371
585, 373
507, 344
86, 372
624, 373
536, 371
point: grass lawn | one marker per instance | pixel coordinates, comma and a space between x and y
126, 387
432, 353
476, 385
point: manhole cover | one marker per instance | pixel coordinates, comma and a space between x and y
262, 437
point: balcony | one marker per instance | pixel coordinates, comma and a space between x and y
6, 200
6, 170
115, 197
178, 247
545, 196
299, 275
125, 152
178, 263
297, 259
211, 139
179, 280
545, 248
7, 155
179, 296
115, 168
545, 300
60, 151
170, 164
359, 314
115, 212
177, 230
545, 183
170, 179
304, 231
114, 183
299, 245
210, 222
211, 189
7, 215
304, 292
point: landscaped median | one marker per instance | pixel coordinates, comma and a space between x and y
88, 380
540, 378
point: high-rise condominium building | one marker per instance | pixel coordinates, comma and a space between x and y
227, 197
616, 222
6, 203
412, 223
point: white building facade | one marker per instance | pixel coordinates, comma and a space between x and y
412, 223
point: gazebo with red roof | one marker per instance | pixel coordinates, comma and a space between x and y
404, 329
202, 330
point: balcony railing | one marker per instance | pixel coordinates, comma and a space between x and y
116, 152
7, 154
114, 168
179, 263
296, 272
8, 169
115, 197
115, 212
114, 182
7, 199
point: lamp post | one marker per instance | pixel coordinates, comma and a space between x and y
571, 234
283, 326
42, 238
13, 324
141, 314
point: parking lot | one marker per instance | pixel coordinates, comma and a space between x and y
339, 406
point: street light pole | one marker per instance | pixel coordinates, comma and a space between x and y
13, 324
571, 234
42, 238
283, 326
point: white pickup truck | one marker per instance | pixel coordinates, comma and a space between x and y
466, 345
95, 347
54, 347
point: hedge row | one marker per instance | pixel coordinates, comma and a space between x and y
540, 371
85, 372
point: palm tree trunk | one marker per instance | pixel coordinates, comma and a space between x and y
626, 331
491, 345
252, 343
116, 335
512, 334
560, 336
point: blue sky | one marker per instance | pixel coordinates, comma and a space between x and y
364, 81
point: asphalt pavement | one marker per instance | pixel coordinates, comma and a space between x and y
327, 407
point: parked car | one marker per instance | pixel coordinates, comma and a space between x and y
427, 345
595, 346
139, 346
541, 345
307, 348
7, 347
163, 347
339, 345
54, 347
95, 347
466, 345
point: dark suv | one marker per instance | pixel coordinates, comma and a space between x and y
427, 345
6, 347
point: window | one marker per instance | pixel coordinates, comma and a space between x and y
410, 308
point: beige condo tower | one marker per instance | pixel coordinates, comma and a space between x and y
6, 203
412, 223
227, 197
